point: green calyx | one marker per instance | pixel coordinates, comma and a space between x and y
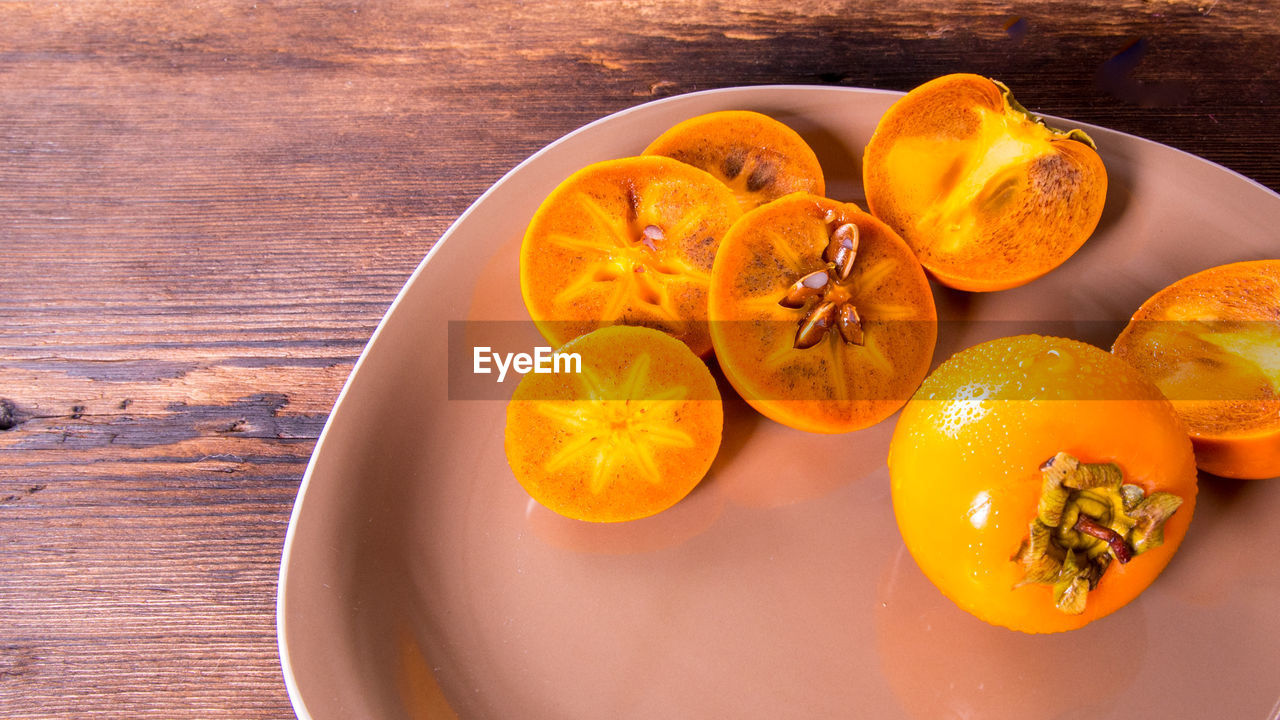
1011, 103
1087, 518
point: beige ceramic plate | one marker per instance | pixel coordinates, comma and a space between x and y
419, 581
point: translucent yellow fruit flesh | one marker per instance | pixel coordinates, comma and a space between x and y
959, 181
1211, 342
1224, 377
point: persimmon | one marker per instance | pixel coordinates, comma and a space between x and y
985, 193
1211, 342
1040, 483
821, 317
760, 158
628, 241
626, 437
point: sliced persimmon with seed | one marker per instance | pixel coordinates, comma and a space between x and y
760, 158
629, 242
984, 192
627, 437
821, 317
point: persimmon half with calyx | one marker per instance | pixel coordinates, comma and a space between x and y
1211, 342
759, 158
1040, 483
986, 194
821, 317
628, 241
625, 436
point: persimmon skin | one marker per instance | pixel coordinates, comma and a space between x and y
626, 438
758, 157
766, 251
965, 476
988, 198
1186, 338
586, 261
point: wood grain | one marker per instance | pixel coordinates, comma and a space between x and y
205, 210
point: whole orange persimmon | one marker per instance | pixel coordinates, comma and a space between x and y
1041, 483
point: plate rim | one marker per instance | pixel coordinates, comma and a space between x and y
290, 679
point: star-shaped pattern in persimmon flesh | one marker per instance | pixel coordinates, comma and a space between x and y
627, 255
617, 425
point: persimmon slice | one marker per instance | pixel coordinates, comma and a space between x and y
625, 438
760, 158
821, 317
1211, 342
987, 196
628, 241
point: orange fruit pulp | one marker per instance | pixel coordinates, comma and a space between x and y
759, 158
628, 241
626, 437
1211, 342
839, 381
987, 196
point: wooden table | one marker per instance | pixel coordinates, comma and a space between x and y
205, 210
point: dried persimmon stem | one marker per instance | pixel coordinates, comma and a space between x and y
1082, 508
1113, 539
